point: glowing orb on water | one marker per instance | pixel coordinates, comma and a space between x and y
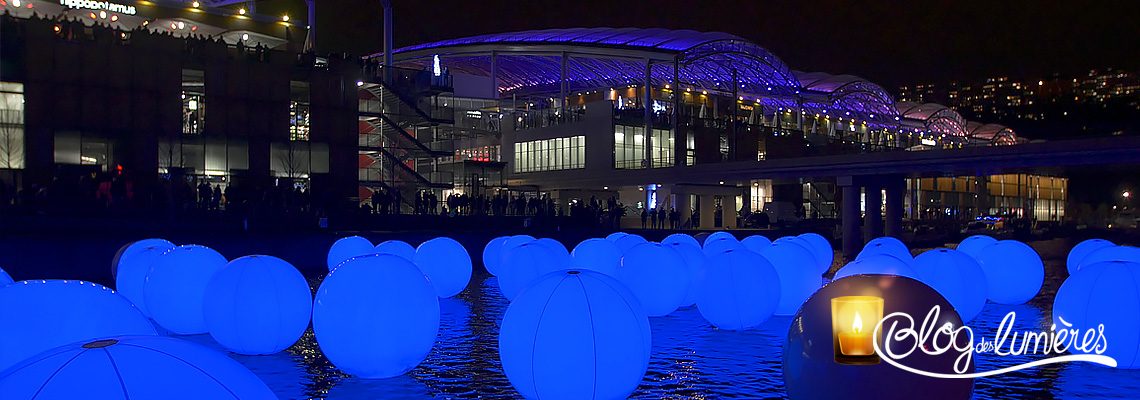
599, 255
257, 305
877, 264
1114, 253
43, 314
376, 316
741, 290
756, 243
822, 250
973, 245
1103, 293
397, 248
523, 265
575, 334
720, 245
5, 279
176, 287
629, 241
956, 276
799, 277
346, 248
695, 261
1082, 250
138, 245
561, 255
657, 276
680, 238
133, 262
1014, 272
132, 367
493, 254
887, 245
446, 264
719, 235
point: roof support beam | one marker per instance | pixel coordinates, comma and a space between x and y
648, 105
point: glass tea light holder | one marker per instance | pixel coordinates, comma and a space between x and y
853, 322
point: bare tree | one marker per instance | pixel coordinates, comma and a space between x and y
11, 139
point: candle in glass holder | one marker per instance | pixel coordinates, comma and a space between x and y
853, 320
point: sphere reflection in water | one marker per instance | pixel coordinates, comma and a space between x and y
575, 335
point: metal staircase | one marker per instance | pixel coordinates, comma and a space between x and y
821, 200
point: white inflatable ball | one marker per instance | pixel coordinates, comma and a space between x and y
1114, 253
257, 305
741, 290
398, 248
680, 238
719, 235
575, 334
446, 264
885, 245
822, 250
5, 279
756, 243
562, 256
522, 265
695, 264
629, 241
799, 275
599, 255
956, 276
176, 287
973, 245
877, 264
1014, 272
493, 254
44, 314
346, 248
1103, 293
720, 245
132, 263
657, 276
1082, 250
376, 316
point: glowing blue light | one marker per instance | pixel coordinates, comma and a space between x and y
973, 245
956, 276
132, 263
510, 243
680, 238
575, 335
376, 316
5, 279
446, 264
599, 255
257, 305
657, 276
695, 261
887, 245
883, 264
346, 248
821, 249
397, 248
1104, 293
522, 265
561, 255
40, 315
741, 290
613, 237
493, 254
756, 243
719, 245
176, 287
799, 278
132, 367
717, 236
629, 241
1082, 250
1114, 253
1014, 272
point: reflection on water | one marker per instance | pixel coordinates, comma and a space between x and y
690, 358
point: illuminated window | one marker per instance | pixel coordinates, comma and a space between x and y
550, 154
11, 125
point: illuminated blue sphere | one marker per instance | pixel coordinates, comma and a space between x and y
493, 254
397, 248
1114, 253
133, 262
176, 287
680, 238
43, 314
822, 250
719, 235
346, 248
562, 258
446, 264
973, 245
887, 245
575, 335
956, 276
657, 276
599, 255
1082, 250
510, 243
629, 241
1104, 293
720, 245
613, 237
741, 290
523, 265
817, 261
799, 276
695, 261
376, 316
132, 367
756, 243
1014, 272
257, 305
877, 264
5, 279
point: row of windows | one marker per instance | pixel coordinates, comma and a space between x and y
629, 147
551, 154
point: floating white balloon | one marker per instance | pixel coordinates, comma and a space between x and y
741, 290
446, 264
397, 248
493, 254
346, 248
599, 255
1082, 250
1014, 272
257, 305
1103, 294
132, 264
799, 275
176, 287
956, 276
657, 276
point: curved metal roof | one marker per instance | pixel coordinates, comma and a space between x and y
934, 117
638, 38
852, 93
991, 133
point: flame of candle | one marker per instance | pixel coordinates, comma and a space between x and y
857, 325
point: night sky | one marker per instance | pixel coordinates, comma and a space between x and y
890, 42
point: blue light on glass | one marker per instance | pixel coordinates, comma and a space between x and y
257, 305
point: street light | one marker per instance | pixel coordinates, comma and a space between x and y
1126, 194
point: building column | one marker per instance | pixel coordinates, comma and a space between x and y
896, 191
849, 213
708, 211
873, 211
681, 204
728, 211
680, 137
648, 88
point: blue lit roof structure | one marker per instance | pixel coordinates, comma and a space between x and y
995, 134
935, 118
866, 99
